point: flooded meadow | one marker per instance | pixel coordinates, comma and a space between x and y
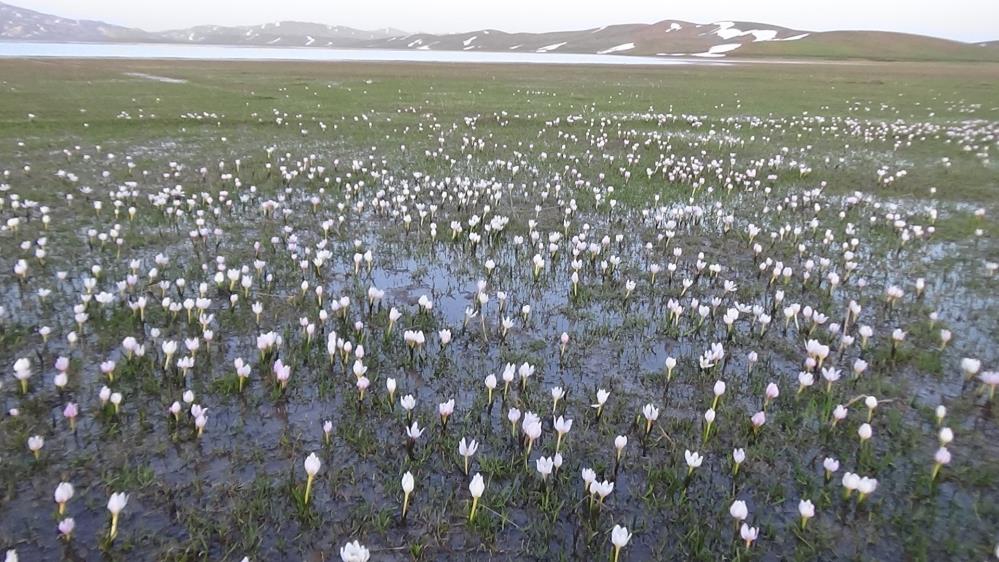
397, 312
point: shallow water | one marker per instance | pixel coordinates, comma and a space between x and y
14, 49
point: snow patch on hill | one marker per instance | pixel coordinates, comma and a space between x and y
719, 50
551, 47
727, 30
617, 49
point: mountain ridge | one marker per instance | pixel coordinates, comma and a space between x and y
666, 38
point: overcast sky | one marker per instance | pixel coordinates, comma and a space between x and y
966, 20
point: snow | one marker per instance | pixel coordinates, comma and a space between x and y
423, 48
724, 48
719, 50
763, 34
599, 29
674, 27
415, 43
468, 41
273, 41
309, 40
793, 37
617, 49
515, 47
727, 30
551, 47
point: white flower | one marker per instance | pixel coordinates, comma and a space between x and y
312, 464
620, 536
738, 510
117, 502
694, 460
738, 455
477, 486
806, 508
354, 552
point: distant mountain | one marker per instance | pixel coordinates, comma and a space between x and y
19, 24
668, 38
285, 33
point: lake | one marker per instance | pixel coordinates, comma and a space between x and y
25, 49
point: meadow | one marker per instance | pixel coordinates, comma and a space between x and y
262, 310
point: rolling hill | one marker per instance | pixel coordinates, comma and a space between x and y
667, 38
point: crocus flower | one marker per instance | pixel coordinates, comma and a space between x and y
490, 387
839, 414
940, 458
991, 380
865, 432
545, 465
35, 444
557, 394
513, 415
445, 409
651, 414
116, 504
532, 429
940, 412
946, 435
738, 456
22, 372
63, 493
970, 367
693, 459
772, 393
390, 386
738, 510
807, 510
66, 527
830, 465
749, 534
312, 465
719, 391
476, 487
562, 427
619, 537
602, 396
414, 432
70, 412
866, 486
282, 373
354, 552
466, 450
408, 483
620, 442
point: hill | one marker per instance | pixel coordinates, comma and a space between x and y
667, 38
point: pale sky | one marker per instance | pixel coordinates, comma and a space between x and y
965, 20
